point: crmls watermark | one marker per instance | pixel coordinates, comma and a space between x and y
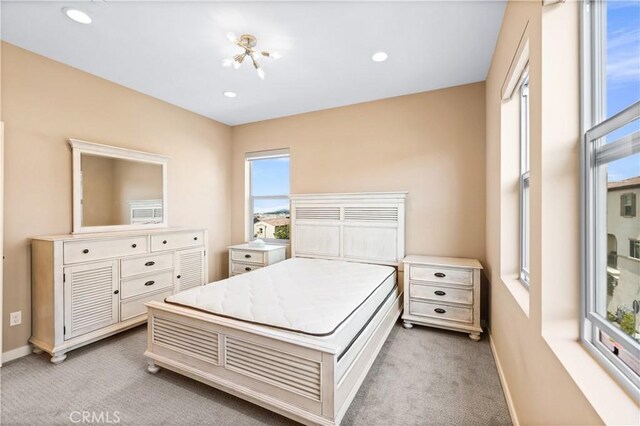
95, 417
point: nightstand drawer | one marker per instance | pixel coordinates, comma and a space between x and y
441, 275
440, 293
241, 268
248, 256
442, 312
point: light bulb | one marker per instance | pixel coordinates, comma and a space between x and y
231, 37
227, 62
236, 64
77, 15
261, 73
275, 55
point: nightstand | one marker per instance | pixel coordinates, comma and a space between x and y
244, 258
442, 292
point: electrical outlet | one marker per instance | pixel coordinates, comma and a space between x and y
15, 318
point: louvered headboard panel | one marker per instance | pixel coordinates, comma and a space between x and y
364, 227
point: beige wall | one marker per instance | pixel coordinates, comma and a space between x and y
43, 103
550, 377
430, 144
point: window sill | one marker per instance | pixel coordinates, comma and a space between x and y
606, 396
518, 291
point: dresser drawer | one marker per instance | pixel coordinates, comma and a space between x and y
84, 251
440, 293
442, 312
176, 240
150, 283
248, 256
141, 265
133, 308
441, 275
241, 268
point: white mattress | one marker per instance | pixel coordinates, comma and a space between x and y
308, 296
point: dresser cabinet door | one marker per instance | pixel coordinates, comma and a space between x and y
189, 269
90, 297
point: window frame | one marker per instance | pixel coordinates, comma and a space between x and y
249, 159
594, 127
524, 179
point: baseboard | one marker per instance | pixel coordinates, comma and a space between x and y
503, 382
16, 353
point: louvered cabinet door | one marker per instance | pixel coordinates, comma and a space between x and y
90, 297
190, 269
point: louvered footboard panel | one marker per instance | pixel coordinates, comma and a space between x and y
198, 343
287, 371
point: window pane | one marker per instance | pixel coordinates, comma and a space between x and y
620, 301
270, 176
526, 226
622, 58
620, 352
271, 218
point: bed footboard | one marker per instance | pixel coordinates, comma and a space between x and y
286, 376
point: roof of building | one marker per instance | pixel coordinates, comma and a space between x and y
627, 183
277, 221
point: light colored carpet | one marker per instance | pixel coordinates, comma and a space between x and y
422, 376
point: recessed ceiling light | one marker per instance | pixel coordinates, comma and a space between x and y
379, 57
77, 15
230, 94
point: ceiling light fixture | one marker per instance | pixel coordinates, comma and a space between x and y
248, 42
379, 57
230, 94
77, 15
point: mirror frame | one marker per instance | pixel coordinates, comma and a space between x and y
80, 147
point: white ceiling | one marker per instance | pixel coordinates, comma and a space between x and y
173, 50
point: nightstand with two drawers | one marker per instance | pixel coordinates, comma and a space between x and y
244, 258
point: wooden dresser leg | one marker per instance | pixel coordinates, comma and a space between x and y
37, 351
474, 336
152, 367
407, 325
58, 358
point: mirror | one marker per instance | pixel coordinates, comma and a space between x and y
117, 189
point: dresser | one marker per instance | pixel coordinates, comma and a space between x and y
244, 258
89, 286
442, 292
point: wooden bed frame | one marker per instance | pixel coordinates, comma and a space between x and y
278, 370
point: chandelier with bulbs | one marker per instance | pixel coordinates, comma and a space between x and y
247, 42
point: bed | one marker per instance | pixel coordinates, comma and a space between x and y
297, 337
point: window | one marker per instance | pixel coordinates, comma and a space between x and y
611, 167
525, 213
634, 248
268, 183
628, 204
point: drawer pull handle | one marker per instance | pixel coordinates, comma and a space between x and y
247, 269
195, 238
247, 256
148, 283
164, 242
440, 310
149, 263
116, 292
439, 293
85, 251
178, 277
440, 275
134, 245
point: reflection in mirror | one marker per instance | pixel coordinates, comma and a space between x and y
120, 192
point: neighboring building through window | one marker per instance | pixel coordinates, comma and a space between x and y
268, 184
611, 184
628, 205
525, 213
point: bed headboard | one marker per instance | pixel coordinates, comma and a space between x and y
362, 227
